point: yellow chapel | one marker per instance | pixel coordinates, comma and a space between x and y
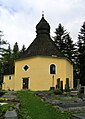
41, 65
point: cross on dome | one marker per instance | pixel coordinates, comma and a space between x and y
43, 14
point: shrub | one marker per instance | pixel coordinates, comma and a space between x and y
3, 99
2, 93
57, 92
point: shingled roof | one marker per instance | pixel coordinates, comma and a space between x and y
42, 45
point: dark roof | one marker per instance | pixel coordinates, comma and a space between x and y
42, 44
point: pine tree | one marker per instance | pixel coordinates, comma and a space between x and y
69, 49
64, 42
8, 61
59, 38
21, 52
15, 51
8, 58
81, 54
23, 49
2, 43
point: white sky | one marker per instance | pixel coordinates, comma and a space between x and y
18, 18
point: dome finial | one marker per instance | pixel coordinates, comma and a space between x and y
42, 14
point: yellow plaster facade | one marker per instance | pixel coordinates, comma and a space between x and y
40, 65
38, 73
8, 83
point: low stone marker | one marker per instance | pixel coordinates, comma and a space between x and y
11, 114
81, 92
72, 105
78, 116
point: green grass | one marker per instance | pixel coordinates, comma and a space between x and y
33, 108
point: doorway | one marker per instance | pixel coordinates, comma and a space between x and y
25, 83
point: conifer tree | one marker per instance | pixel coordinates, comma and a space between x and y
81, 54
15, 51
64, 42
8, 61
23, 49
2, 43
69, 49
59, 37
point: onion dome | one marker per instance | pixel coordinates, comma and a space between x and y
43, 26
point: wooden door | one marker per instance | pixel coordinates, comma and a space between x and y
25, 83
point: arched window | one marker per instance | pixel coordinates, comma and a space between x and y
52, 69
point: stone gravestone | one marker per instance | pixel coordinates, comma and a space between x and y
78, 84
78, 116
11, 114
61, 85
82, 89
58, 83
81, 92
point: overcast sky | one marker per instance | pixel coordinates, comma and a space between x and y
18, 18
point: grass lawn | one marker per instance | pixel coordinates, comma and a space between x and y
33, 108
